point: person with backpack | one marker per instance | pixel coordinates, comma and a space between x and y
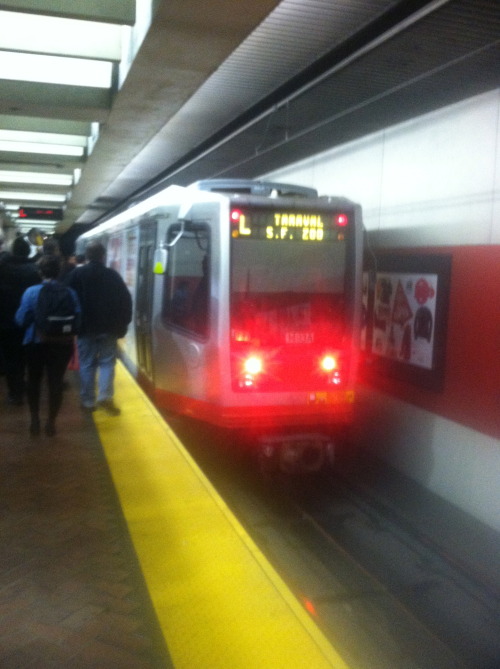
50, 313
106, 313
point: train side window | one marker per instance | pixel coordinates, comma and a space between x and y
186, 284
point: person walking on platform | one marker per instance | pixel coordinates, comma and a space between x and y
106, 313
49, 354
17, 273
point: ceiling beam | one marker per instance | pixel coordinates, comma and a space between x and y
53, 125
54, 100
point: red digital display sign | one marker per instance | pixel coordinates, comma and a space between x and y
41, 213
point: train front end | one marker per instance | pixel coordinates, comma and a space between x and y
294, 322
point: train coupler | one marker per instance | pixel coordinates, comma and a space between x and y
297, 453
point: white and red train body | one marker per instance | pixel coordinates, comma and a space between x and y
247, 299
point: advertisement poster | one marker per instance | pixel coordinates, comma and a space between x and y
114, 253
404, 315
131, 259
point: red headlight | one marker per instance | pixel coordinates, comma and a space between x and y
250, 370
253, 365
330, 364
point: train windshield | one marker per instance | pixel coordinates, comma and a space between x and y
288, 276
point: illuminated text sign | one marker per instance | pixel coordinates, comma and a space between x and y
288, 226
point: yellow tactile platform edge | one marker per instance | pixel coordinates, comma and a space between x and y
219, 602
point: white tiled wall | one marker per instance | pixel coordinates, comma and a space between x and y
431, 181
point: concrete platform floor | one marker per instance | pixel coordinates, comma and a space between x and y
71, 591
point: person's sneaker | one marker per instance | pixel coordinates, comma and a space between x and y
110, 407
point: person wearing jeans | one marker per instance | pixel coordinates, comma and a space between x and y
106, 312
97, 352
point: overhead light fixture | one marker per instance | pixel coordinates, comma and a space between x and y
43, 178
34, 147
47, 227
43, 69
43, 137
37, 33
21, 196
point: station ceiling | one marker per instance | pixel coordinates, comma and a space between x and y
102, 101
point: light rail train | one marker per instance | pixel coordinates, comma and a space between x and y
247, 303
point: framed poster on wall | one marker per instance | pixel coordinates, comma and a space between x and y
407, 312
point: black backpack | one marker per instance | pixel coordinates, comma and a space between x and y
56, 318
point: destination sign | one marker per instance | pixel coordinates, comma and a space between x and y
40, 213
288, 226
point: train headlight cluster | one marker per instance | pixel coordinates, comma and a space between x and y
329, 363
252, 368
253, 365
331, 366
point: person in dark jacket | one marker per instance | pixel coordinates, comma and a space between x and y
50, 357
106, 312
17, 273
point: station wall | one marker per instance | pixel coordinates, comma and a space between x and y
432, 185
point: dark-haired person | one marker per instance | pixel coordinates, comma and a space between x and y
106, 312
17, 273
48, 357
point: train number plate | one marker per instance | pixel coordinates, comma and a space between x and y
299, 337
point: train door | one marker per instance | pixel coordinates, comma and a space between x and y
186, 297
185, 312
144, 298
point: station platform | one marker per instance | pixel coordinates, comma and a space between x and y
117, 552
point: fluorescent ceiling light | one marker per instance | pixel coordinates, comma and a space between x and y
55, 70
42, 137
46, 227
25, 224
31, 147
35, 33
7, 176
42, 197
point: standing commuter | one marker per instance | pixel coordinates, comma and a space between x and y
35, 240
17, 273
71, 264
51, 355
3, 252
50, 247
106, 312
